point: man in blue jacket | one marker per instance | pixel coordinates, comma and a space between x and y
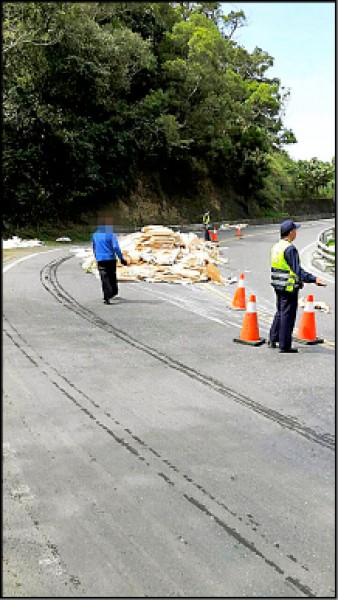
106, 251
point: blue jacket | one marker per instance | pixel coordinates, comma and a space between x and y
105, 244
292, 258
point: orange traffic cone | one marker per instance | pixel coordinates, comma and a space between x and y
307, 333
238, 301
238, 231
250, 332
213, 235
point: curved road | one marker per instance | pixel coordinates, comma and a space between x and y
146, 453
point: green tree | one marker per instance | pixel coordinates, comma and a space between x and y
98, 94
67, 118
315, 178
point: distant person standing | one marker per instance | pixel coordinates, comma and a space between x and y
287, 278
106, 251
206, 223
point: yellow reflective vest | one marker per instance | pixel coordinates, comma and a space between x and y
282, 277
206, 218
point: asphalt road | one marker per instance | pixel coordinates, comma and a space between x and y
148, 455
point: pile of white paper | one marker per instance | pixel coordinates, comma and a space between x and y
159, 254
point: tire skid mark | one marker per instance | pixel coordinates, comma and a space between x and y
59, 293
306, 590
120, 440
71, 397
233, 533
106, 413
285, 421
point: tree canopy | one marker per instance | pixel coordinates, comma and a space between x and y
97, 94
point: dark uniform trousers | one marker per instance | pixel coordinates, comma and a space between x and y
107, 270
284, 319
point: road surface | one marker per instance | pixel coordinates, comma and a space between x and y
148, 455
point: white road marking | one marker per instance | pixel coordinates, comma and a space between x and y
16, 262
191, 307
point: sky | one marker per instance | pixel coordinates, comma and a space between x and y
300, 36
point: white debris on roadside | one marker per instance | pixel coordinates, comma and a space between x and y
318, 304
17, 242
226, 226
88, 262
63, 239
159, 254
80, 252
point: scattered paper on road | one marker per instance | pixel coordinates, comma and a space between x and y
17, 242
318, 304
159, 254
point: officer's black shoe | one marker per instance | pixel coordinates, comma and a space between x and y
290, 351
106, 301
272, 344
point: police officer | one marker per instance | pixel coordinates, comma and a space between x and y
287, 277
206, 222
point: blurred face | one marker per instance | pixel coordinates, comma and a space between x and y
105, 221
292, 235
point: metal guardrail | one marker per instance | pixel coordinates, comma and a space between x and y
325, 255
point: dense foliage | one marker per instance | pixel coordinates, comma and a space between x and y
98, 95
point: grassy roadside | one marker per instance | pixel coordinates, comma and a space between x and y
9, 254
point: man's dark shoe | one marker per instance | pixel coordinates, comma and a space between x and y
272, 344
290, 351
106, 301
